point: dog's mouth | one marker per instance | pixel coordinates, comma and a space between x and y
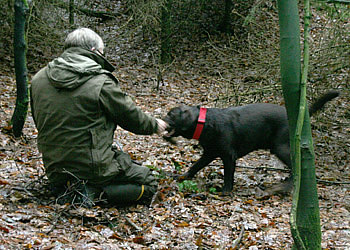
170, 133
170, 130
169, 136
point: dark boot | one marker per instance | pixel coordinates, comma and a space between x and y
128, 193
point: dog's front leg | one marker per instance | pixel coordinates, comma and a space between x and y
229, 171
198, 165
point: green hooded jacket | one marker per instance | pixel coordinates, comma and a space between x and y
77, 104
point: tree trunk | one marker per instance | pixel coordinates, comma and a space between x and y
165, 47
305, 219
20, 113
71, 12
226, 19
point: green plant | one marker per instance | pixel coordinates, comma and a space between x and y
188, 186
161, 173
177, 165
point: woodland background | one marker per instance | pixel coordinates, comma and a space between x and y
214, 62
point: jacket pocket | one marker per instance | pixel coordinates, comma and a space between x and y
95, 154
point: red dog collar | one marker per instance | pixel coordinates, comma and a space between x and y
200, 123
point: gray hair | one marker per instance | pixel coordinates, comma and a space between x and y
84, 38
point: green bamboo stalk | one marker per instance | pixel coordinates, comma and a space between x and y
306, 211
290, 75
299, 127
300, 123
304, 218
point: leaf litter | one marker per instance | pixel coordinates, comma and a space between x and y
176, 219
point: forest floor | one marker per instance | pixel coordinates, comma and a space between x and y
181, 217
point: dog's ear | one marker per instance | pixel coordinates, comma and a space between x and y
188, 114
191, 113
188, 118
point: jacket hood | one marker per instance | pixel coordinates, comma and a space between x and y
75, 67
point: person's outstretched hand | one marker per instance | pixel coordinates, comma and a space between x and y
162, 125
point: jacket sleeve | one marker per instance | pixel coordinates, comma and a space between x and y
124, 112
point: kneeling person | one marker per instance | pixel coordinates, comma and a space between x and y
77, 104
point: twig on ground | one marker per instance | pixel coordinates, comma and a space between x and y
75, 188
265, 168
154, 199
238, 240
59, 215
333, 182
133, 224
258, 168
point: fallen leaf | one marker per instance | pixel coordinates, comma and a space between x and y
5, 229
139, 240
3, 182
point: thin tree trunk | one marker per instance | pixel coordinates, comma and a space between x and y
305, 221
20, 113
165, 47
71, 12
225, 23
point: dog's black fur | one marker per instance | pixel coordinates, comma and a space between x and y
231, 133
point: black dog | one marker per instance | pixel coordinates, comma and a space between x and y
231, 133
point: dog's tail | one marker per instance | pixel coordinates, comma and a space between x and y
320, 102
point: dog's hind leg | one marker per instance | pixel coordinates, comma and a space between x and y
197, 166
229, 161
282, 151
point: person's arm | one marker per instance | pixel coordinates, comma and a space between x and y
31, 104
124, 112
